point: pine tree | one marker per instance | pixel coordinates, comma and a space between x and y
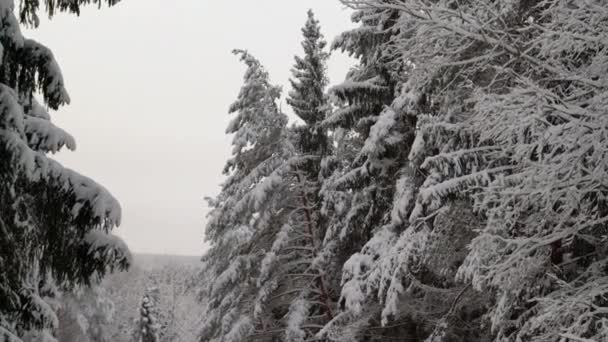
54, 222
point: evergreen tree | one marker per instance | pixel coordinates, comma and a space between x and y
54, 223
249, 210
374, 128
498, 110
394, 282
148, 325
293, 270
465, 184
307, 97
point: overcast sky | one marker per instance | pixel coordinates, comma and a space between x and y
150, 83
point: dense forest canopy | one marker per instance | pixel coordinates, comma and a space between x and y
450, 189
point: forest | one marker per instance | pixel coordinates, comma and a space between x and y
453, 187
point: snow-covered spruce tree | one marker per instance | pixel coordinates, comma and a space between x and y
148, 327
360, 185
374, 129
293, 282
54, 223
516, 125
401, 284
307, 97
248, 212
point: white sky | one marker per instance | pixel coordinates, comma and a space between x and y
151, 82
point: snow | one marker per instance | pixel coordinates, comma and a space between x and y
44, 336
105, 208
575, 338
45, 136
231, 274
240, 330
404, 197
381, 134
98, 239
348, 86
27, 135
343, 115
11, 28
298, 313
7, 336
52, 86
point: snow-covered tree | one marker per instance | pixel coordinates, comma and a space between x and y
293, 267
148, 327
372, 133
463, 198
54, 223
248, 212
395, 284
374, 129
307, 97
508, 99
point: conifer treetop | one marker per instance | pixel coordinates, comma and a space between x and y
309, 81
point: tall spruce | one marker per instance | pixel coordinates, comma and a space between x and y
295, 265
54, 223
374, 129
307, 97
249, 210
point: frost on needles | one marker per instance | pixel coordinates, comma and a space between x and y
55, 224
452, 188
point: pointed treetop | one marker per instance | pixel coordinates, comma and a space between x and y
307, 97
312, 33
